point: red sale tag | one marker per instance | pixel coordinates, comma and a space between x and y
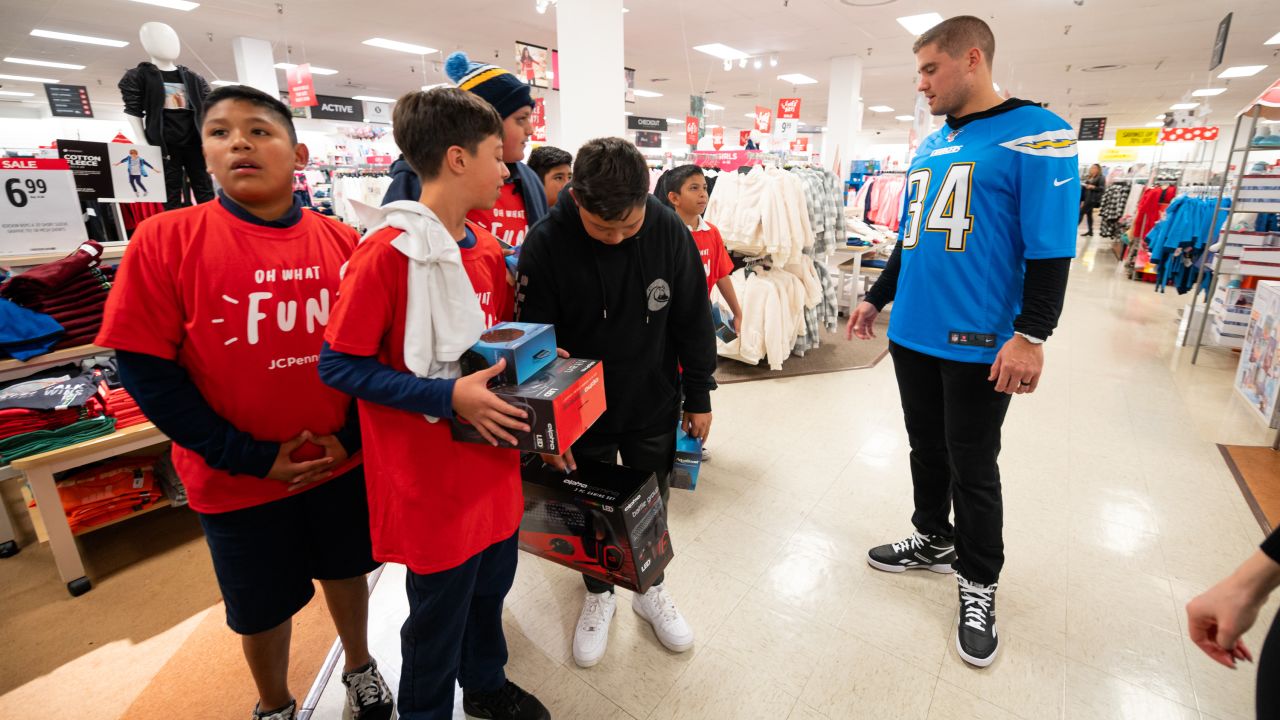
717, 137
302, 91
789, 109
764, 119
691, 134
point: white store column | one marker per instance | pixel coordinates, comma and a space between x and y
255, 64
844, 114
592, 84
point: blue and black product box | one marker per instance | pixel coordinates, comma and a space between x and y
722, 320
561, 402
606, 521
684, 475
527, 348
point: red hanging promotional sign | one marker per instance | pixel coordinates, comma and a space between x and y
691, 125
1189, 133
800, 144
764, 119
539, 120
717, 137
302, 92
789, 109
743, 137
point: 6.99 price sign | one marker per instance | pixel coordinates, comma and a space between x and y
39, 209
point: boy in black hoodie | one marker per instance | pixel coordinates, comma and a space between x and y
619, 276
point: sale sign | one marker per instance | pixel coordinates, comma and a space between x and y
302, 91
691, 130
1184, 134
789, 109
764, 119
743, 137
800, 144
717, 137
39, 210
539, 120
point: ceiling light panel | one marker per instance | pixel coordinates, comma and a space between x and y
1208, 92
315, 69
919, 24
1240, 71
182, 5
1184, 106
72, 37
722, 51
647, 94
43, 63
373, 98
27, 78
403, 47
797, 79
880, 108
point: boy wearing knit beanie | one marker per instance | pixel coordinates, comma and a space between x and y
523, 201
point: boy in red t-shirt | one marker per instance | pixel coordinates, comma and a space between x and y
217, 317
688, 196
450, 511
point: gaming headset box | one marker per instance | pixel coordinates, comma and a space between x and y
527, 348
562, 401
606, 521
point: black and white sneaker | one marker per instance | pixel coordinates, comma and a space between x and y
368, 697
929, 552
508, 703
976, 637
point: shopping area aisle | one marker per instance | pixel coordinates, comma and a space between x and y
1119, 509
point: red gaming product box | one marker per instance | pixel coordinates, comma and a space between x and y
606, 521
562, 401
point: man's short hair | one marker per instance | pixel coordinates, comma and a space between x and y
546, 158
610, 178
253, 96
675, 180
426, 124
955, 36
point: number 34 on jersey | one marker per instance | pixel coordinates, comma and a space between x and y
949, 213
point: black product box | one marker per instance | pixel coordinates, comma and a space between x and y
562, 401
606, 521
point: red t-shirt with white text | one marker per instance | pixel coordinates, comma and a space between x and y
242, 308
507, 220
433, 502
711, 250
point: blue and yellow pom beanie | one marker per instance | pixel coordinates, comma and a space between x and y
498, 86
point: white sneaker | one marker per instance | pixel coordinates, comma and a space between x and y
659, 608
591, 638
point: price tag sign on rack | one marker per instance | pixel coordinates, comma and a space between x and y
39, 209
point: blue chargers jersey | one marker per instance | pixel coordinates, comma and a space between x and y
981, 200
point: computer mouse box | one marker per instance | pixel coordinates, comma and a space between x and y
527, 348
606, 521
684, 474
562, 401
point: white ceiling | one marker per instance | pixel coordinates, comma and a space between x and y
1042, 48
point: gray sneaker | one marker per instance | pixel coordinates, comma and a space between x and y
368, 697
288, 712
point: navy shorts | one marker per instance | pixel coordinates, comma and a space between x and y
266, 556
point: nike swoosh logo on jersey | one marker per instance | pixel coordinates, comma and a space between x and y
1060, 183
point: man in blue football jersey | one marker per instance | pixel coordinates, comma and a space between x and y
977, 281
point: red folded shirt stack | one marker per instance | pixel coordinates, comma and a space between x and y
16, 421
72, 291
122, 407
106, 492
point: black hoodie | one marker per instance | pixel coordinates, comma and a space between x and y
640, 306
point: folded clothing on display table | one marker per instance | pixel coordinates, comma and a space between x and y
24, 333
63, 406
605, 521
72, 291
102, 493
561, 401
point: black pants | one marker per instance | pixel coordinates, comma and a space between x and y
1268, 692
953, 416
1086, 213
454, 632
188, 160
135, 182
652, 454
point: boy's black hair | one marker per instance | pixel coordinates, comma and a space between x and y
253, 96
610, 178
426, 124
675, 179
543, 159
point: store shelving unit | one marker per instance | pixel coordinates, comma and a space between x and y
1242, 147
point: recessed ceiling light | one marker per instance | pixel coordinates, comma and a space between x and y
647, 93
315, 69
372, 98
1208, 92
674, 120
797, 79
71, 37
1275, 40
182, 5
904, 118
25, 78
626, 10
1242, 71
43, 63
880, 108
14, 93
712, 106
919, 24
221, 83
722, 51
403, 47
1155, 124
628, 113
750, 115
1184, 106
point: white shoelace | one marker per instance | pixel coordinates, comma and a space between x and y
977, 600
366, 689
664, 604
592, 613
915, 542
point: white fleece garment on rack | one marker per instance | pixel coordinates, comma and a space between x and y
443, 317
773, 305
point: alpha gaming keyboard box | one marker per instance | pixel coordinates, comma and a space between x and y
562, 401
527, 348
606, 521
